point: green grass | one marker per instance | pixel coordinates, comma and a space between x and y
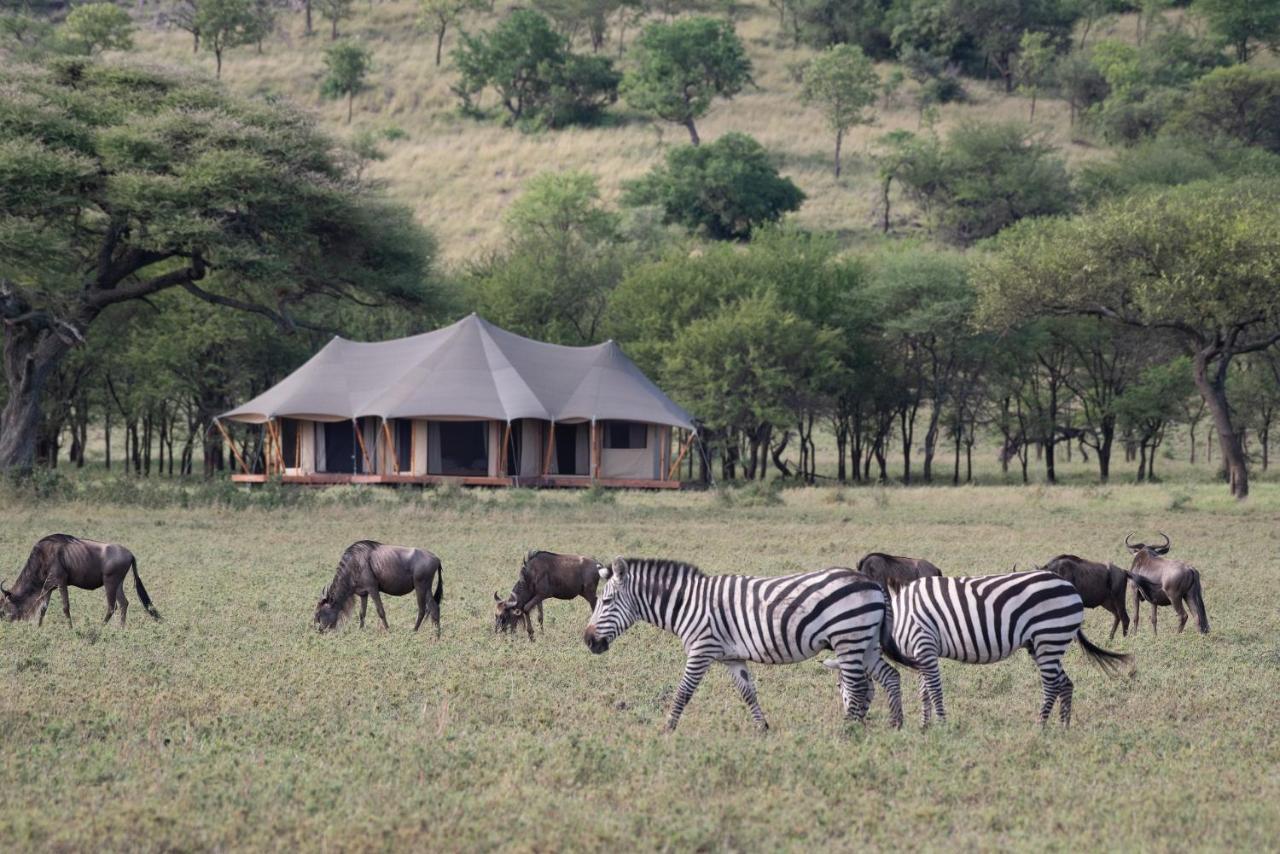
234, 725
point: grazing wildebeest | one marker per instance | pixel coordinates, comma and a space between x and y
545, 575
1162, 581
892, 572
60, 561
368, 569
1100, 585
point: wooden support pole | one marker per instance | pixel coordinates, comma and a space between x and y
594, 462
391, 447
226, 437
683, 451
277, 430
551, 437
368, 464
502, 452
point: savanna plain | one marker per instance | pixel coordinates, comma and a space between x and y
233, 724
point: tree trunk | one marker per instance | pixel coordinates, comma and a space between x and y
693, 131
307, 6
30, 357
333, 31
1213, 389
351, 97
839, 141
217, 57
439, 43
106, 428
1104, 449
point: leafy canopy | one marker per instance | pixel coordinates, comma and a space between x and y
96, 27
725, 188
121, 181
539, 81
678, 68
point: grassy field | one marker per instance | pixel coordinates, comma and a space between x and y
459, 174
232, 724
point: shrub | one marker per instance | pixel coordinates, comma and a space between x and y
984, 178
1241, 103
725, 188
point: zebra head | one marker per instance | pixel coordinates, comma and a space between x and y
615, 610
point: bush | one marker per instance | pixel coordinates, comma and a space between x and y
725, 188
986, 177
1241, 103
1169, 161
538, 80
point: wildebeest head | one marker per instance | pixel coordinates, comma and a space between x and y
506, 614
1160, 550
327, 612
615, 610
8, 607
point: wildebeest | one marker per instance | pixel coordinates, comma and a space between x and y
1162, 581
545, 575
368, 568
1100, 585
59, 561
892, 572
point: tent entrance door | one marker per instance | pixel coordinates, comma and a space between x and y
339, 447
571, 451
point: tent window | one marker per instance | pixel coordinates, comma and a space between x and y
625, 435
464, 447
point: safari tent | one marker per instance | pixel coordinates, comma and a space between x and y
470, 403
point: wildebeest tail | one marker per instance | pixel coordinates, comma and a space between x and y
439, 592
1196, 595
142, 591
1106, 659
887, 644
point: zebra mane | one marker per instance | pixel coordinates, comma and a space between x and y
663, 567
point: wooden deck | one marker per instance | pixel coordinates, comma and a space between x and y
552, 481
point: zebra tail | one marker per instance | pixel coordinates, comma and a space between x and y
142, 591
887, 643
1107, 660
1196, 595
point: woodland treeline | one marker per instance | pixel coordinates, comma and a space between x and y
168, 249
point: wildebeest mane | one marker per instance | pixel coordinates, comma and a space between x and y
30, 582
340, 592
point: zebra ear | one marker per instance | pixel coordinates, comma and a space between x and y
620, 567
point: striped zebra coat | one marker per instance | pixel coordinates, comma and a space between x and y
735, 619
985, 619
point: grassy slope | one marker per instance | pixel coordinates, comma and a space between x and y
232, 724
460, 174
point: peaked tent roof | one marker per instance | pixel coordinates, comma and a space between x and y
471, 369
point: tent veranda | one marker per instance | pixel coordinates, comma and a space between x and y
468, 402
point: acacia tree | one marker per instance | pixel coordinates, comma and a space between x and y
842, 83
1197, 263
334, 11
680, 67
96, 27
224, 24
439, 15
347, 64
238, 203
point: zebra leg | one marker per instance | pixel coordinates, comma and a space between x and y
931, 688
887, 676
1065, 688
926, 707
746, 688
694, 669
853, 686
1051, 676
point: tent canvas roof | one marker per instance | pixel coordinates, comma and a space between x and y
471, 369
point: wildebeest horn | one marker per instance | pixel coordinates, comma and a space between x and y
1127, 538
496, 597
1167, 542
3, 589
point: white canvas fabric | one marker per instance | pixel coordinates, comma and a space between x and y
471, 369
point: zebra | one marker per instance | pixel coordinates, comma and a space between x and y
734, 619
981, 620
